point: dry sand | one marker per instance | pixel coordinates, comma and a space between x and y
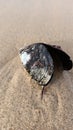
23, 22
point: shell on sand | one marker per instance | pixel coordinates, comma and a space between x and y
38, 61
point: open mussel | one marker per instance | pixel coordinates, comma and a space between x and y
38, 59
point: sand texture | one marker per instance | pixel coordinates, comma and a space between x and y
23, 22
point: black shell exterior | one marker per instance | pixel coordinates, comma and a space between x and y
63, 56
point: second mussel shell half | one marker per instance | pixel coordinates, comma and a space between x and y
38, 62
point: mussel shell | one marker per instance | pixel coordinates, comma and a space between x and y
38, 59
63, 56
38, 62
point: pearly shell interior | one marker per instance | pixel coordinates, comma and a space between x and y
38, 62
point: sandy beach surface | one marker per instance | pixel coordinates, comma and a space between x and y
23, 22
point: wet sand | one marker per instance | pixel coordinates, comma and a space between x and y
23, 22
